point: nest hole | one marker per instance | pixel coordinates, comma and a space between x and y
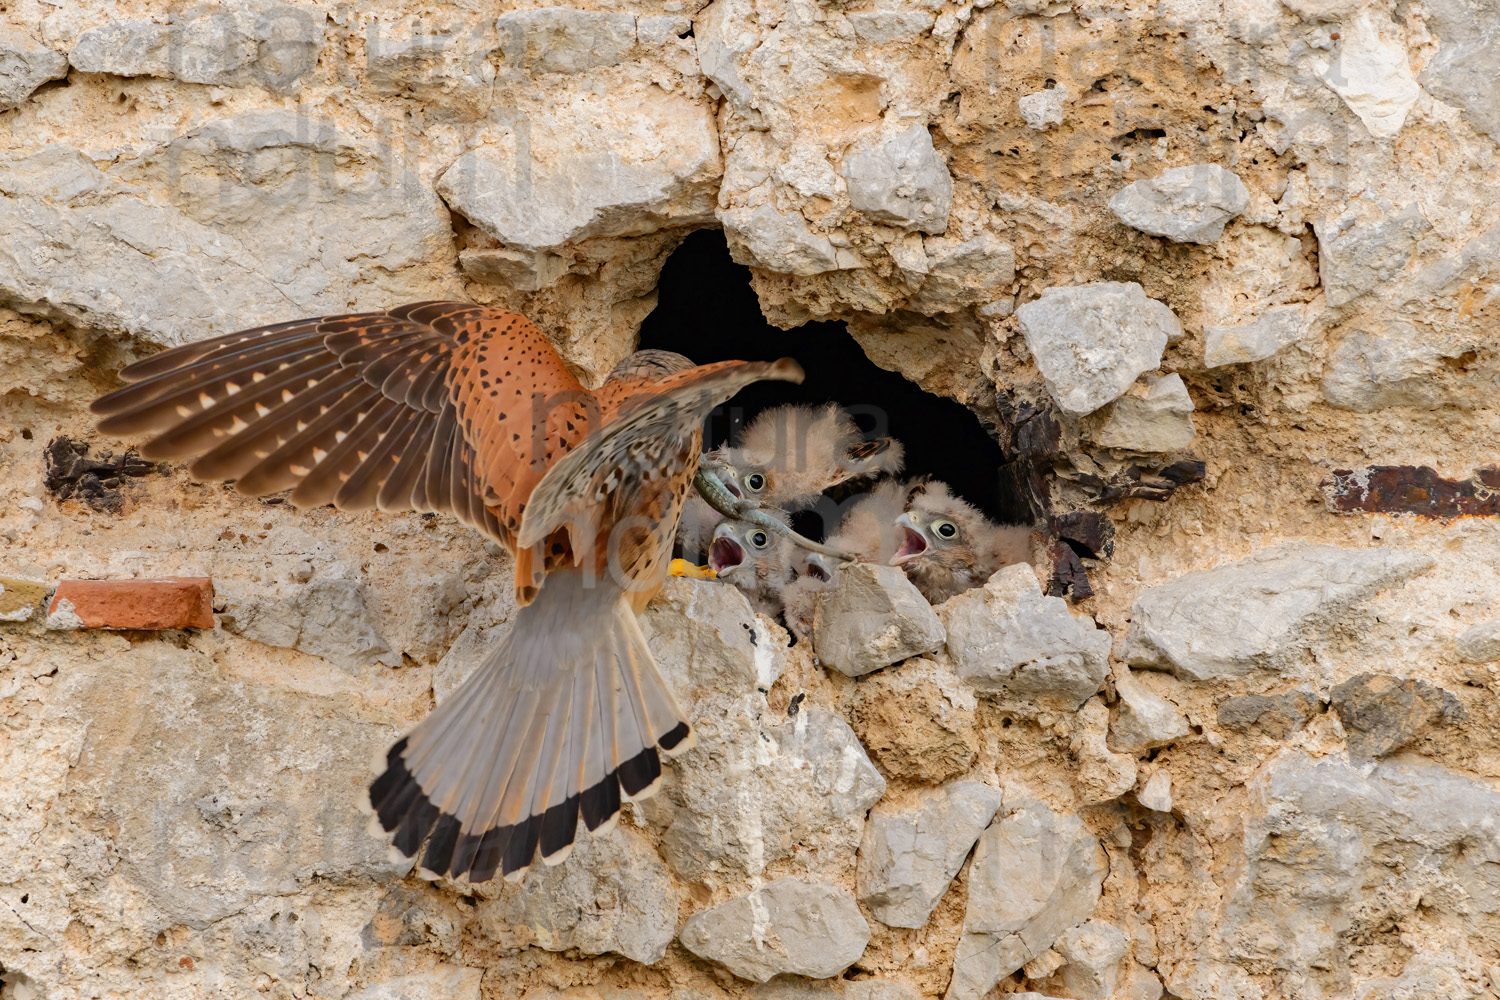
707, 310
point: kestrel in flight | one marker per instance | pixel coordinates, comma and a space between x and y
446, 406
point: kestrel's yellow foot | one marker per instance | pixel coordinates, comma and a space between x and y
681, 567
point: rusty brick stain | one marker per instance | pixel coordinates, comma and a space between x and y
1412, 489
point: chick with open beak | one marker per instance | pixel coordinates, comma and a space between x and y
799, 599
947, 546
754, 559
787, 457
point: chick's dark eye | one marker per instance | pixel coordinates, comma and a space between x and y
947, 529
756, 481
759, 539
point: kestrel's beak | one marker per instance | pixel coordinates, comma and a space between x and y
913, 541
726, 553
817, 567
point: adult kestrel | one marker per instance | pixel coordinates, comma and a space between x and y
446, 406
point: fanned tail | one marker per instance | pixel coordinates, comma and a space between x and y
563, 720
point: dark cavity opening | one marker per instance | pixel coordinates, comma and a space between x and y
707, 311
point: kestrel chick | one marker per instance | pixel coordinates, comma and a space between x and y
790, 454
754, 560
799, 598
947, 546
868, 529
787, 457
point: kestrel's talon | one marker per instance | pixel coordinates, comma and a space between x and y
681, 567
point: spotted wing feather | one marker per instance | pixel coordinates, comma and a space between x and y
408, 408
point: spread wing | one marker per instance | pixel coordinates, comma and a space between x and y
638, 451
431, 406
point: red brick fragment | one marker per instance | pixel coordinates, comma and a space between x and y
174, 602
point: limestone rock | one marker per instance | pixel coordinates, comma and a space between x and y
1373, 76
1036, 873
1043, 965
223, 793
24, 66
1184, 204
754, 790
19, 599
901, 180
1328, 845
264, 42
1467, 63
1154, 415
1234, 345
1156, 794
1431, 973
1382, 714
723, 36
1277, 716
1008, 640
1102, 775
1315, 11
326, 617
445, 982
882, 27
787, 925
873, 617
1249, 615
1044, 108
246, 219
1479, 643
917, 721
710, 644
565, 39
1386, 365
879, 989
777, 241
910, 854
1355, 257
1090, 342
449, 70
1143, 720
800, 988
1094, 951
652, 162
429, 612
612, 894
962, 272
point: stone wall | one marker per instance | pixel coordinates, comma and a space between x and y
1257, 757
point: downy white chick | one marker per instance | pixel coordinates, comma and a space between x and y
786, 458
799, 598
867, 531
947, 546
755, 560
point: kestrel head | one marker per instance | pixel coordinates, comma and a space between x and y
790, 454
737, 544
939, 529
